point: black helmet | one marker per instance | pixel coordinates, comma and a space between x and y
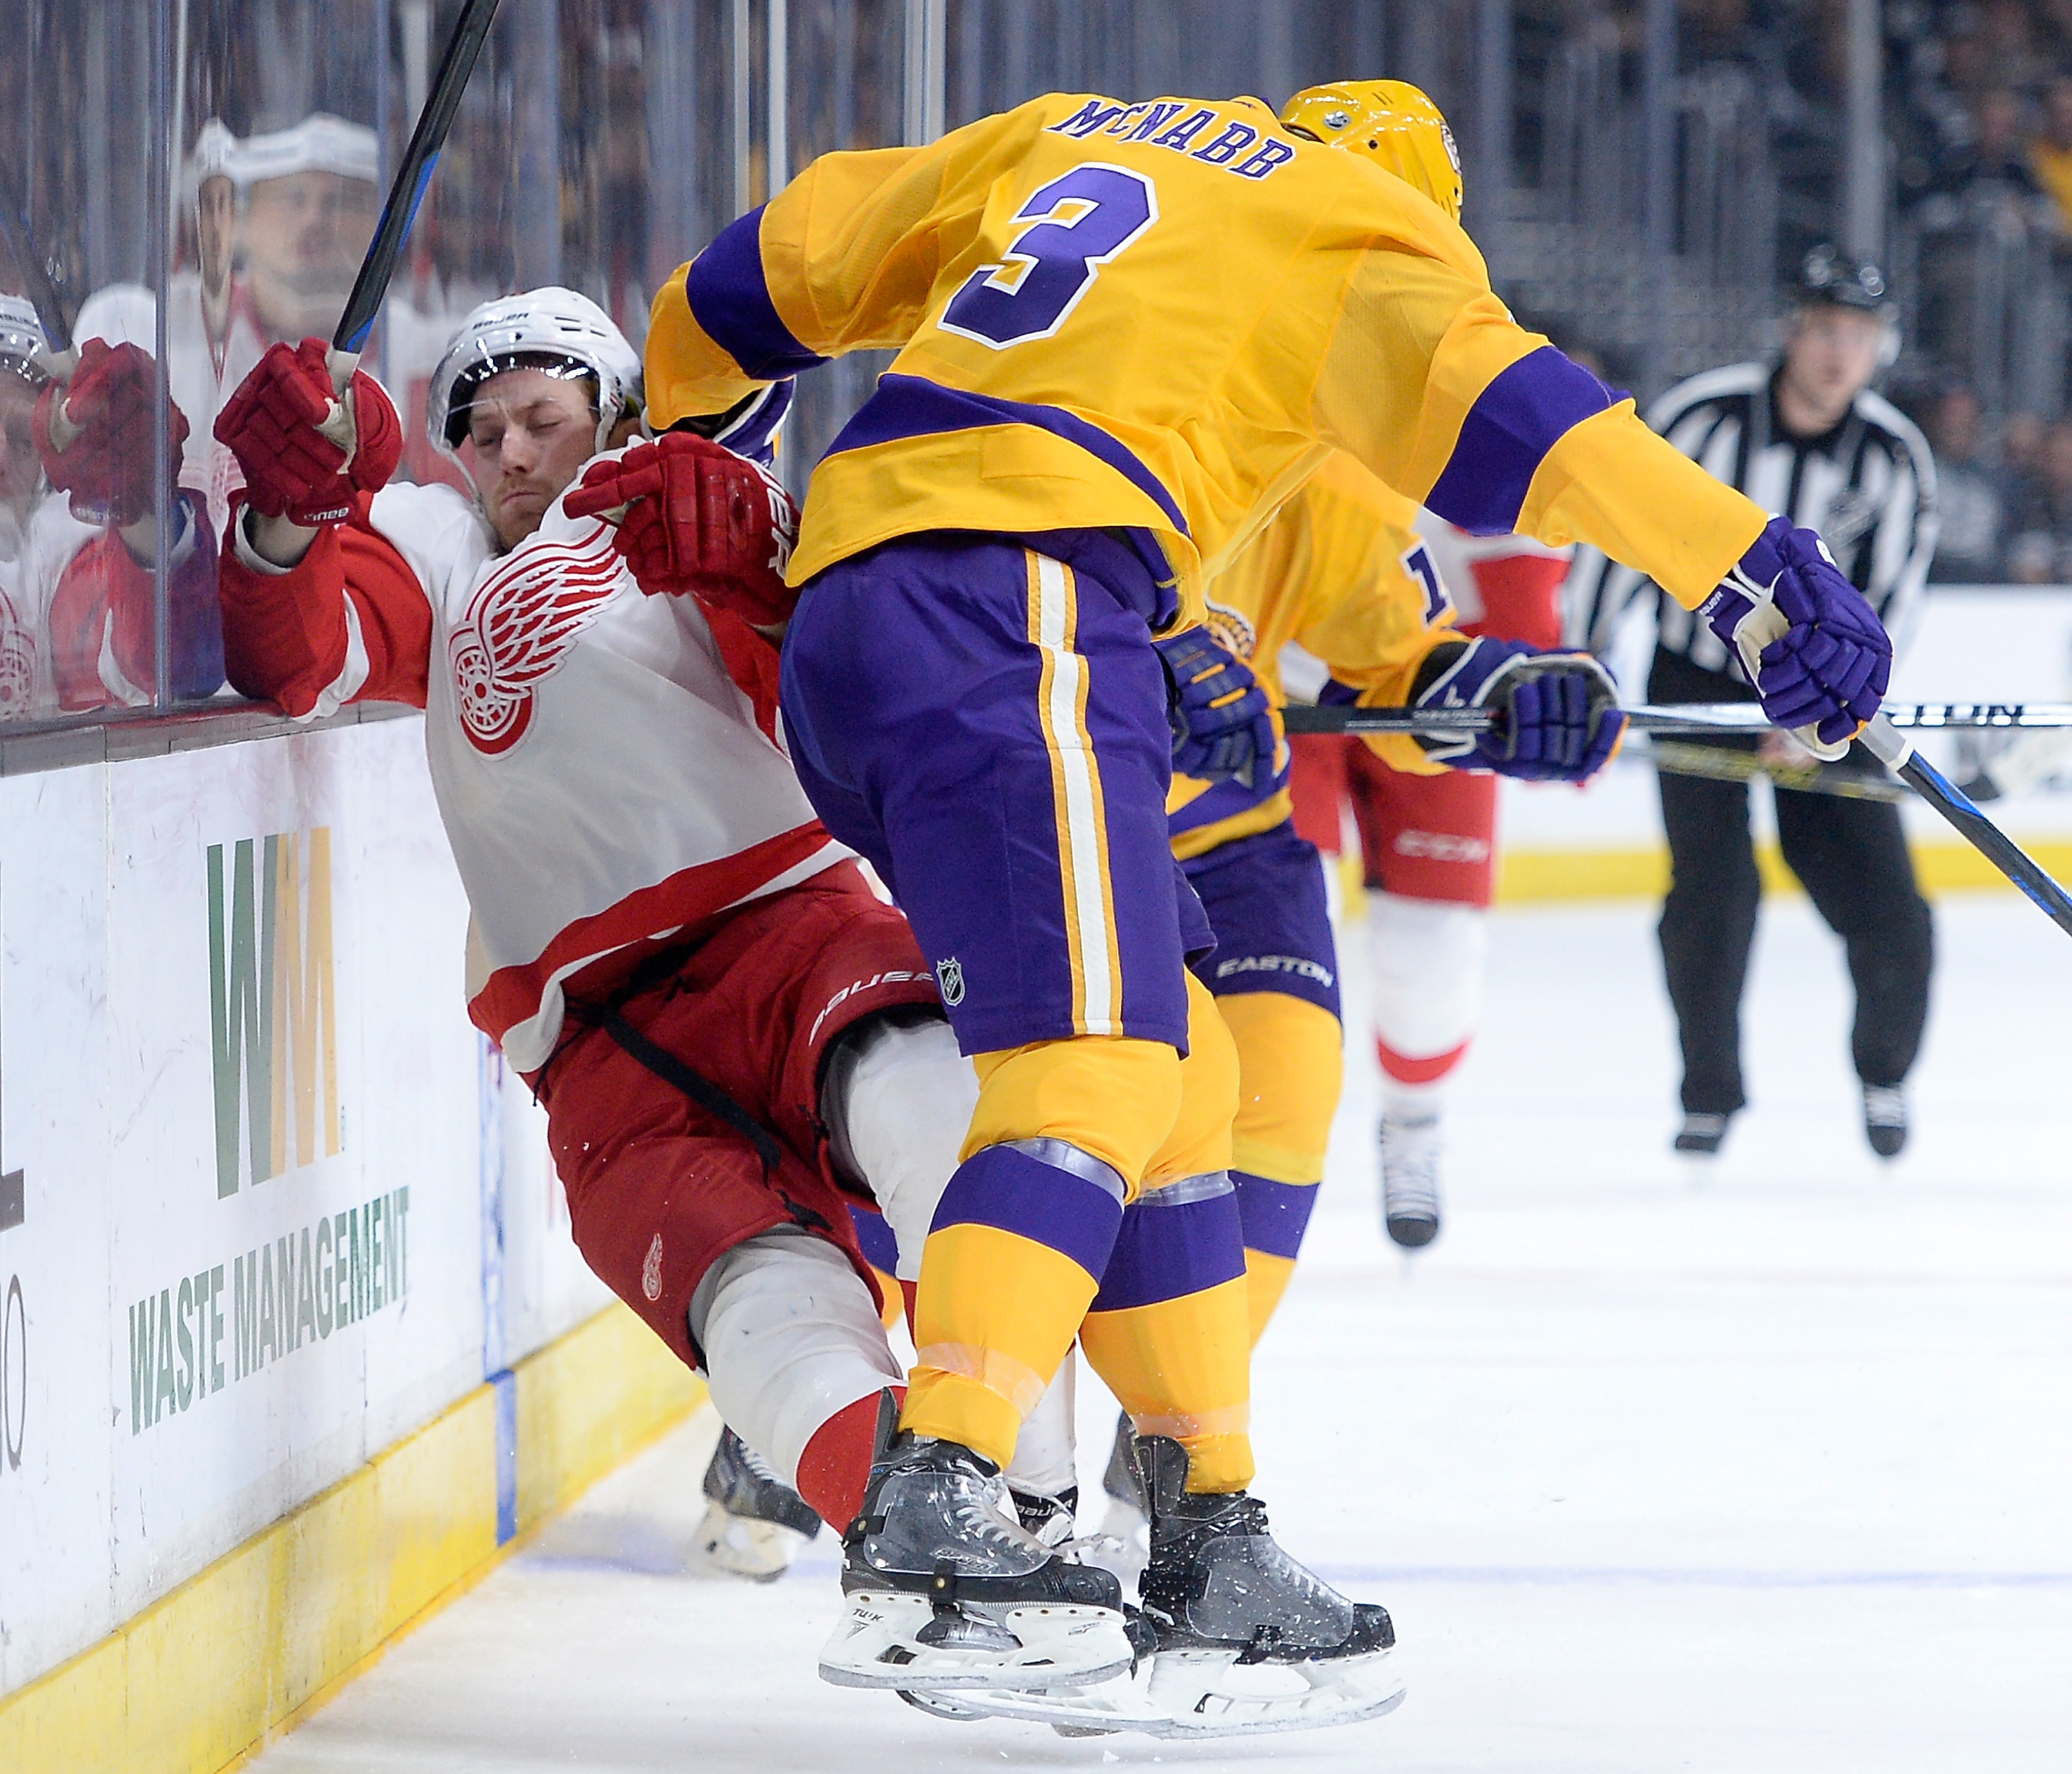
1831, 277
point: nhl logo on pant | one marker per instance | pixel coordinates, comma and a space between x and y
950, 978
650, 1271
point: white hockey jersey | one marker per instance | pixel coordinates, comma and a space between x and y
609, 764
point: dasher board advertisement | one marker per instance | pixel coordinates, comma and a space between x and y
268, 1201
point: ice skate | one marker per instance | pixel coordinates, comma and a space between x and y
946, 1590
1884, 1119
1237, 1638
1702, 1135
1050, 1519
1128, 1519
755, 1523
1410, 1146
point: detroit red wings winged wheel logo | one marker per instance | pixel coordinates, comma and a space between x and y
520, 626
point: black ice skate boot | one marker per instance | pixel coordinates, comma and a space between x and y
1702, 1135
1128, 1514
754, 1522
1221, 1597
946, 1590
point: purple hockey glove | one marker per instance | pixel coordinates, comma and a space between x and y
1807, 638
1557, 714
1222, 725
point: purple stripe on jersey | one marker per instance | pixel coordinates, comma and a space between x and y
1015, 1193
1165, 1252
875, 1238
730, 300
908, 406
753, 431
1514, 421
1275, 1215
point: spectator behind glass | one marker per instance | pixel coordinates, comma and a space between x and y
1968, 487
2012, 59
2051, 158
1996, 157
2041, 553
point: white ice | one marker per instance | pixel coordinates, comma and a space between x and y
1765, 1469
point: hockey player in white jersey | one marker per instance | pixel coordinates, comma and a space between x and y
727, 1028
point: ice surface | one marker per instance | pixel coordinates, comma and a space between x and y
1766, 1472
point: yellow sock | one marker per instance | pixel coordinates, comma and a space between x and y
1290, 1063
1020, 1237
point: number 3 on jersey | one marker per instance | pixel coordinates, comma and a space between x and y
1069, 228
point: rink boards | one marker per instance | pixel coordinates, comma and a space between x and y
271, 1208
290, 1339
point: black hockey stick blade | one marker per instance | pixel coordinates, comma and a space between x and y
1694, 717
1884, 740
42, 287
412, 177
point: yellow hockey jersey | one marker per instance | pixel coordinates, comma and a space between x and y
1159, 318
1340, 570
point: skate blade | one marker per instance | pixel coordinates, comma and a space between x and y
740, 1545
877, 1645
1196, 1694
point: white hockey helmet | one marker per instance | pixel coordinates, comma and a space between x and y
214, 155
319, 143
21, 344
552, 328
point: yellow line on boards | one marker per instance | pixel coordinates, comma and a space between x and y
1528, 877
248, 1646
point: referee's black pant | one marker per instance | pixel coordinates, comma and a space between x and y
1852, 859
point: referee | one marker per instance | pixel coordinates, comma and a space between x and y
1803, 436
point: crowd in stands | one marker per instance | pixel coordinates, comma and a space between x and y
2005, 494
1980, 104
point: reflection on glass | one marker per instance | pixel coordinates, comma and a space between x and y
311, 196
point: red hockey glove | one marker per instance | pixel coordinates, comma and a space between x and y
698, 519
94, 433
305, 456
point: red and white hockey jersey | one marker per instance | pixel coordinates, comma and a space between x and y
608, 764
1508, 586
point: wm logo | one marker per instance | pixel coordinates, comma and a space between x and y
274, 1005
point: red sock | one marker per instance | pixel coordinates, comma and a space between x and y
1429, 1069
910, 1292
835, 1466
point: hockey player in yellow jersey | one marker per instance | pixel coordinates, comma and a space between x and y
1340, 572
1126, 333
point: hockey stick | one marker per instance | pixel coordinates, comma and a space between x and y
1885, 741
1883, 738
1694, 717
1718, 763
44, 295
406, 191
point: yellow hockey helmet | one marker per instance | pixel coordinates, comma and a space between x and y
1390, 122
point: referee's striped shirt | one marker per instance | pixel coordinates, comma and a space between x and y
1867, 487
